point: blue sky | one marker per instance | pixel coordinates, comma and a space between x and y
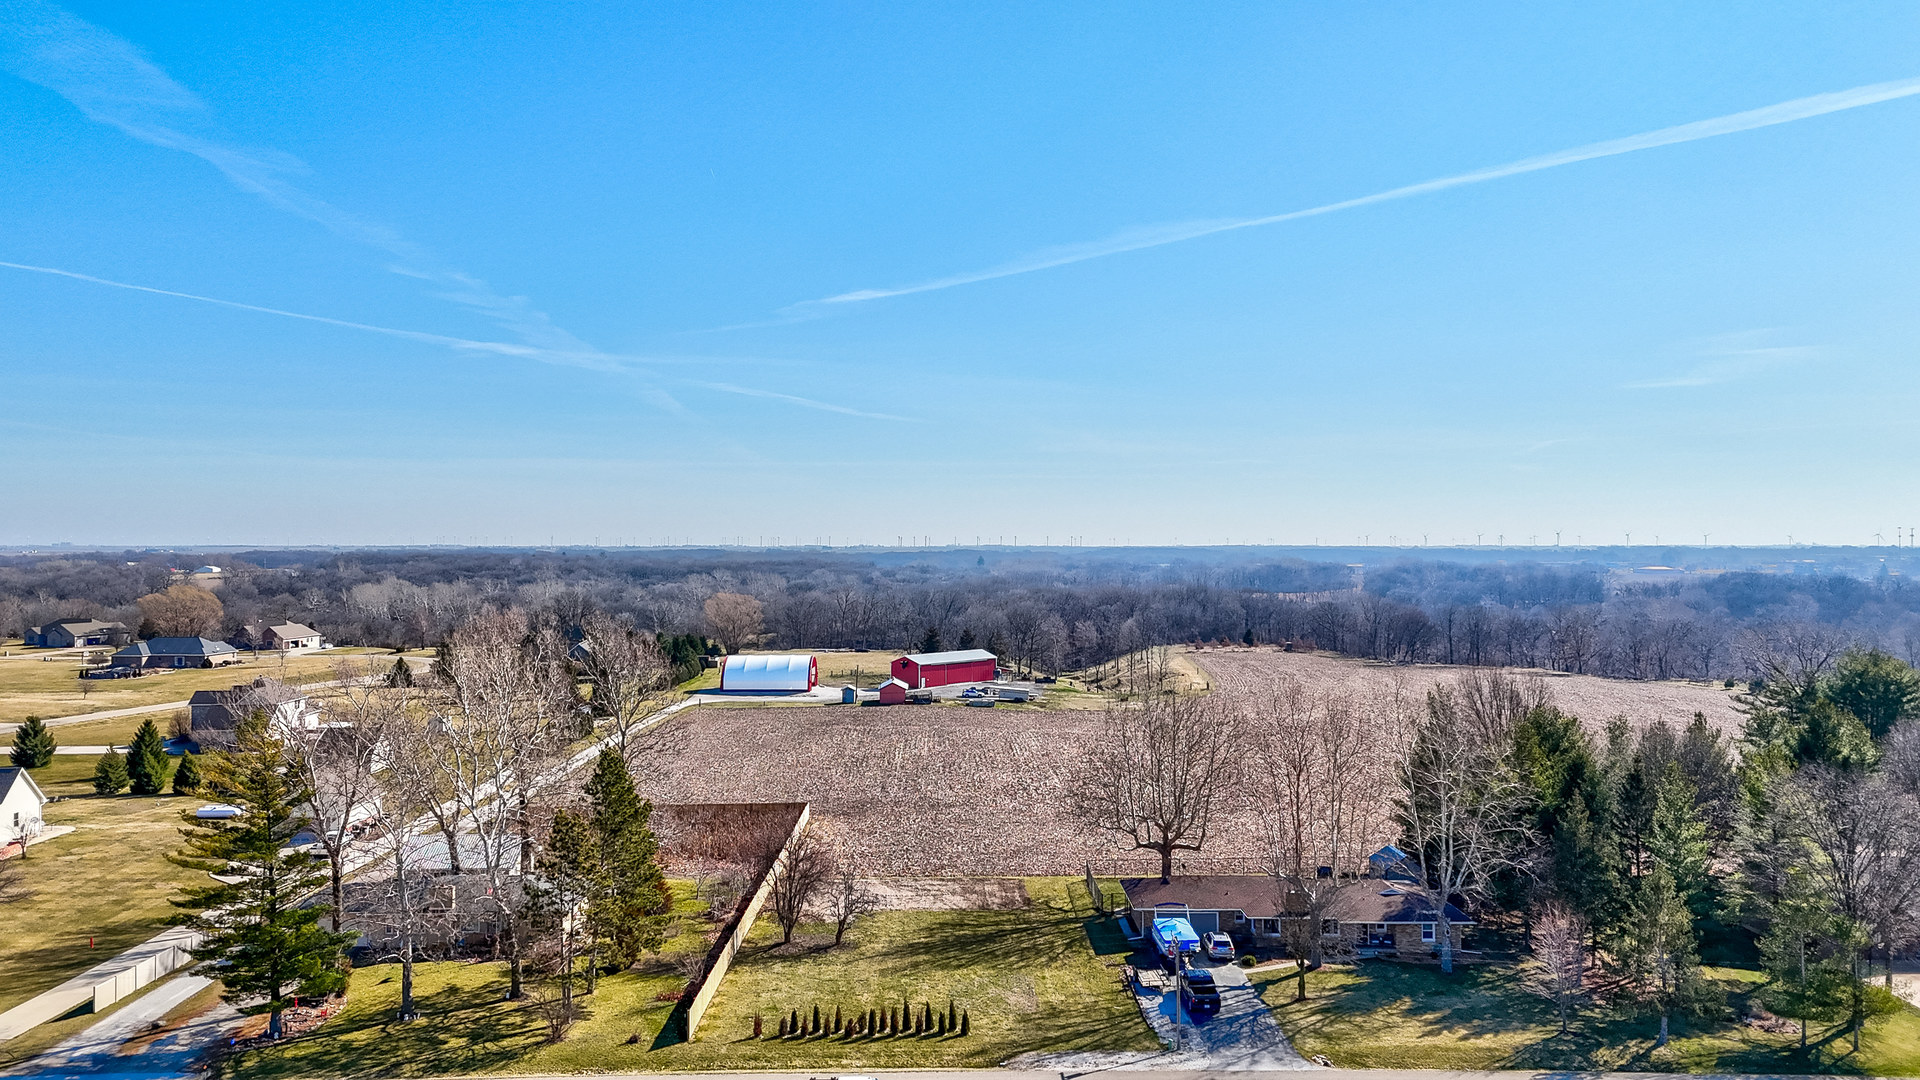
576, 257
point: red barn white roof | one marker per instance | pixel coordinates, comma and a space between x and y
962, 656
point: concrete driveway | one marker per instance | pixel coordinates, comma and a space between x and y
1242, 1037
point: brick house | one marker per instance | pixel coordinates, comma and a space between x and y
1371, 915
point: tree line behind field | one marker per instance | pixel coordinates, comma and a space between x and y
1045, 611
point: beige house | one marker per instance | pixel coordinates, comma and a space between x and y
21, 805
282, 637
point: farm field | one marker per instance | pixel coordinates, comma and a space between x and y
1030, 978
1245, 671
1404, 1016
915, 789
30, 686
108, 879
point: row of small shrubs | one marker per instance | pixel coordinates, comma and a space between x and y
892, 1021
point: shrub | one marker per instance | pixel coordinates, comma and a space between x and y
110, 774
1247, 961
186, 777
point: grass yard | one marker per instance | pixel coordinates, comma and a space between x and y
1387, 1015
117, 731
52, 689
109, 878
1031, 980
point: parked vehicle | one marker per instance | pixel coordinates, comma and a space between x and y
1199, 994
1174, 938
1218, 946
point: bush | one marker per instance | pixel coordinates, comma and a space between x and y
186, 777
1247, 961
110, 774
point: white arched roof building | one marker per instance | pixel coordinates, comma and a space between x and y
793, 673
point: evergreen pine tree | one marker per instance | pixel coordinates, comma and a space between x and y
257, 937
930, 641
1807, 982
926, 1016
33, 745
401, 674
966, 1022
967, 640
953, 1016
110, 774
1657, 948
1677, 840
186, 776
147, 760
630, 886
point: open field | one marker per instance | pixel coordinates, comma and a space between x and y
109, 878
917, 790
1031, 979
1245, 671
1403, 1016
32, 687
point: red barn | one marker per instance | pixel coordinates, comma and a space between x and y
920, 670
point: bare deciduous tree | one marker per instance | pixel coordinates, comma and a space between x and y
1315, 776
508, 727
735, 618
628, 673
1159, 773
1559, 944
1460, 803
807, 869
338, 763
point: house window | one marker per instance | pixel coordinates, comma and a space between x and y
1426, 931
1329, 927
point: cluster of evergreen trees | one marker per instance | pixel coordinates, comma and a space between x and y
887, 1021
1795, 853
143, 768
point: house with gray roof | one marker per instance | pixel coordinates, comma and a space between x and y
77, 633
1373, 916
177, 652
282, 636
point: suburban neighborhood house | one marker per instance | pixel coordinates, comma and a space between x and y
21, 803
283, 637
75, 633
214, 714
177, 652
921, 670
1369, 915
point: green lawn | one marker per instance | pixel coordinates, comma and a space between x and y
1030, 979
109, 878
1388, 1015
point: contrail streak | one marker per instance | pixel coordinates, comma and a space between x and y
748, 391
1153, 236
598, 361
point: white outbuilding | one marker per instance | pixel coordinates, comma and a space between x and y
21, 803
792, 674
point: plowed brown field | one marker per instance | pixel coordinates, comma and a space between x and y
1241, 672
932, 790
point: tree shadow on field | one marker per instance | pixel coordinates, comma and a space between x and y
460, 1030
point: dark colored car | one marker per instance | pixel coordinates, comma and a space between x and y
1199, 995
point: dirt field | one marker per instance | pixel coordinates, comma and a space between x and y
1594, 700
919, 790
941, 790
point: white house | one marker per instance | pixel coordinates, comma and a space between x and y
21, 804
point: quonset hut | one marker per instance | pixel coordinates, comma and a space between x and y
791, 674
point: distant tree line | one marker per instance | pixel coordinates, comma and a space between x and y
1046, 612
